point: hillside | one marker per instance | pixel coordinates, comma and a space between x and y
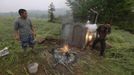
37, 13
119, 60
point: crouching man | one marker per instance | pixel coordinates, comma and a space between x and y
24, 31
102, 32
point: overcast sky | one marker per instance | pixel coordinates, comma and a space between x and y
14, 5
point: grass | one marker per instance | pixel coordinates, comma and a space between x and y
15, 60
122, 52
119, 59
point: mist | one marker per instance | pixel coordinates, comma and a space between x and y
14, 5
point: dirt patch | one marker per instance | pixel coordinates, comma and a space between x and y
46, 67
49, 41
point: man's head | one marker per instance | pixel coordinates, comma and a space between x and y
103, 28
23, 13
108, 26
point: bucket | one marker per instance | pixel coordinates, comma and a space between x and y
33, 68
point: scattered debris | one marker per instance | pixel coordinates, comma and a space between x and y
10, 72
4, 52
26, 72
41, 40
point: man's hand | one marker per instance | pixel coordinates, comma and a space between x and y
34, 34
17, 37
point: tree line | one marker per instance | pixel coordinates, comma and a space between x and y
108, 9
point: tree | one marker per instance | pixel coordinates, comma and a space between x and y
109, 10
79, 8
51, 12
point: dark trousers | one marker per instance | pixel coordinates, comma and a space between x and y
102, 44
27, 41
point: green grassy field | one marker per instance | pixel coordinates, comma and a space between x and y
15, 60
119, 60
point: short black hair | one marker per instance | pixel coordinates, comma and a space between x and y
21, 11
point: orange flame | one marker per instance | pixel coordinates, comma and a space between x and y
65, 48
